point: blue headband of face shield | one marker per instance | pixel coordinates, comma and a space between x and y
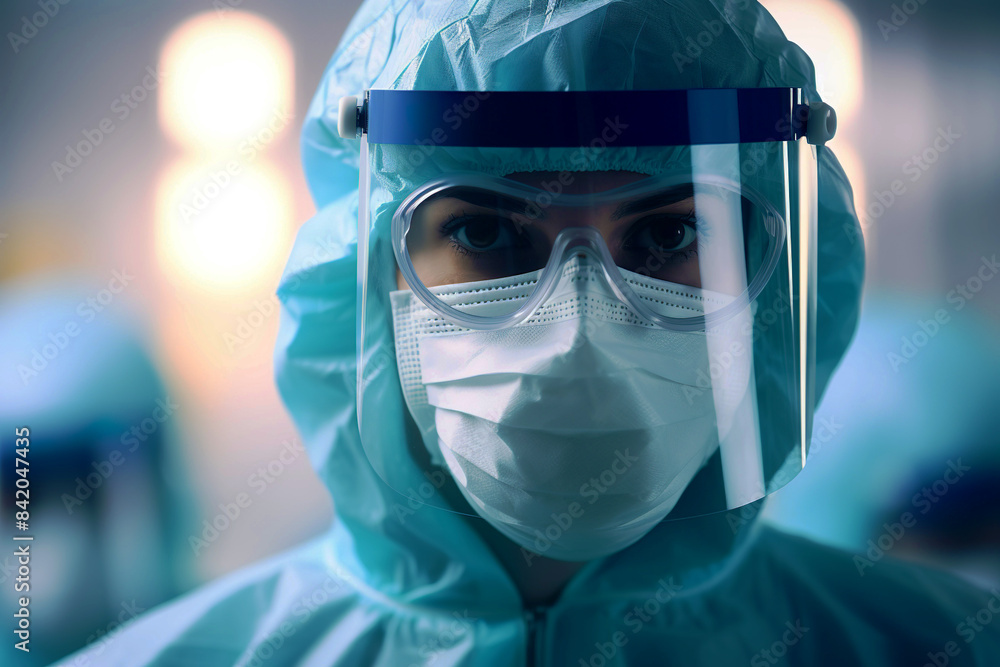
535, 356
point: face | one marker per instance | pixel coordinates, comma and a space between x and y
468, 235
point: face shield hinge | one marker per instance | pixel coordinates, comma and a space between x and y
352, 117
821, 123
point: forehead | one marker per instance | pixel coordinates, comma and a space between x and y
576, 182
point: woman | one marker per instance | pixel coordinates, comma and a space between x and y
597, 305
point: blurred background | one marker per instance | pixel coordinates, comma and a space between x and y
150, 191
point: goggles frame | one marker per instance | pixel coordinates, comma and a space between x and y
585, 240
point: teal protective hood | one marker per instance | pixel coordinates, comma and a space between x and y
393, 585
580, 45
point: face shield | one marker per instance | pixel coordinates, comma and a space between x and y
588, 311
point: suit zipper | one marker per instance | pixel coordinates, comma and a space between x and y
535, 621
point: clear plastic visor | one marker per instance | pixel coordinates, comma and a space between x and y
634, 337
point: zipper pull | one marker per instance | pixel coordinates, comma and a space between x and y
535, 621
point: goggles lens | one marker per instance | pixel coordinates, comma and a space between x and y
709, 235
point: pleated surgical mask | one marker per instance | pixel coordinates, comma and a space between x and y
577, 431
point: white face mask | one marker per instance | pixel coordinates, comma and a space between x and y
577, 431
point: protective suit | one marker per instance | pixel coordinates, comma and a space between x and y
400, 584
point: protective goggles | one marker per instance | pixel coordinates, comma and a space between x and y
685, 211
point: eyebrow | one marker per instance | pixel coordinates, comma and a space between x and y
659, 200
493, 200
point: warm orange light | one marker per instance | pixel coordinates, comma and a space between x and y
828, 32
854, 167
226, 78
216, 229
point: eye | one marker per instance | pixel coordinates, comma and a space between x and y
481, 233
666, 232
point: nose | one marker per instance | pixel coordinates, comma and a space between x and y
585, 245
582, 243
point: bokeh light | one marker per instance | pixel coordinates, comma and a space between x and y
218, 230
224, 79
829, 33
